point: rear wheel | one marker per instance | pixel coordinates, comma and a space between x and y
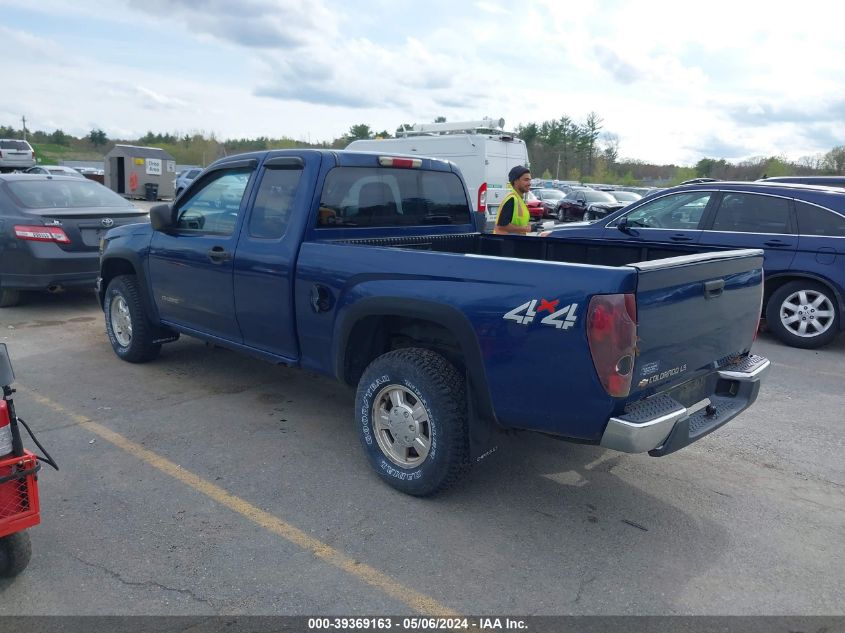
15, 552
412, 419
129, 331
9, 298
803, 314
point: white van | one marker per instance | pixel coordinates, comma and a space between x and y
481, 150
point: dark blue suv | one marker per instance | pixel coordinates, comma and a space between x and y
800, 227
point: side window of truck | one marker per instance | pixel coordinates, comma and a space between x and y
274, 203
384, 196
214, 208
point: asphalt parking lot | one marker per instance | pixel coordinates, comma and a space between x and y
206, 482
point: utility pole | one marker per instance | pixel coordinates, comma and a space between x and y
557, 171
23, 118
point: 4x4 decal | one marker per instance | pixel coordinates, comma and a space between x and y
563, 318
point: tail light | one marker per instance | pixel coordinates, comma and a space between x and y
5, 429
41, 234
612, 335
482, 198
402, 163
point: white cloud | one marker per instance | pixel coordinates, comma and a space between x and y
732, 76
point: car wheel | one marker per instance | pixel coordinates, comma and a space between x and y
411, 413
9, 298
587, 216
129, 331
803, 314
15, 552
561, 216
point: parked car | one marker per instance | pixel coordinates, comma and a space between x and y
549, 198
50, 229
535, 206
625, 197
584, 204
15, 154
185, 178
800, 227
54, 170
822, 181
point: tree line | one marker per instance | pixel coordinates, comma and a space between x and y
562, 149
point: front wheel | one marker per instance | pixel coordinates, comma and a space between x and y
129, 331
803, 314
561, 216
411, 413
15, 552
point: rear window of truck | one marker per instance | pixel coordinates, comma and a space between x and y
382, 196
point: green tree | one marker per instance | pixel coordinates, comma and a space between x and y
358, 132
591, 130
97, 137
59, 138
528, 133
440, 119
834, 160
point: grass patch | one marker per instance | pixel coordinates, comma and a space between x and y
53, 154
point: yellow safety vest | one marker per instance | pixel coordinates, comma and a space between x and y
521, 216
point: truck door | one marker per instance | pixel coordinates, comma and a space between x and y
265, 261
191, 265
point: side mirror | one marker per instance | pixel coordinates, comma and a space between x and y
7, 376
161, 217
622, 225
582, 203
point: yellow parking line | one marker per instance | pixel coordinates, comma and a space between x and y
414, 599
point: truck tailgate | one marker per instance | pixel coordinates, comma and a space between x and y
694, 312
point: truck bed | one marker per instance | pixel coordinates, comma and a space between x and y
568, 250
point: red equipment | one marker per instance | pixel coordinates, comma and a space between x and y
19, 507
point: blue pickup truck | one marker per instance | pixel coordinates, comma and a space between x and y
369, 268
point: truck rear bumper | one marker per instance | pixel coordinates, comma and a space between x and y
661, 425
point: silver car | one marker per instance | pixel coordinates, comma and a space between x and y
15, 154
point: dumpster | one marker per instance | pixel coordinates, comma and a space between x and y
151, 191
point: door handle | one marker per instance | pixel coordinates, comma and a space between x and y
218, 255
681, 238
713, 289
776, 243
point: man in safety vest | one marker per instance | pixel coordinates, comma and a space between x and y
513, 216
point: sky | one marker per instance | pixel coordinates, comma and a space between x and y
733, 80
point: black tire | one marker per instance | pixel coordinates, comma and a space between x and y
15, 552
134, 343
785, 305
561, 216
430, 385
9, 298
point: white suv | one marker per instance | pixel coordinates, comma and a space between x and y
15, 154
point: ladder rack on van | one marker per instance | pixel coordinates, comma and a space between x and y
458, 127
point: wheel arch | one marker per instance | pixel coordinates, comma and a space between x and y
126, 264
378, 325
775, 282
